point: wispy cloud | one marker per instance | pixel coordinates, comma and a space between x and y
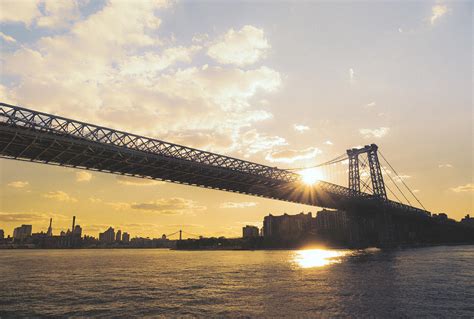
83, 176
447, 165
351, 75
374, 133
437, 11
169, 206
18, 184
60, 196
238, 204
7, 38
29, 217
242, 47
134, 181
162, 206
252, 142
328, 143
290, 156
464, 188
371, 104
300, 128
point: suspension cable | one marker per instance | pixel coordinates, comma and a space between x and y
402, 181
172, 234
191, 234
338, 159
383, 168
394, 195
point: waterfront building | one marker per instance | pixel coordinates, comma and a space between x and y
108, 236
468, 220
118, 237
440, 216
249, 231
335, 225
287, 227
22, 232
126, 237
2, 234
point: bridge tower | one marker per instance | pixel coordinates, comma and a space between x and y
378, 185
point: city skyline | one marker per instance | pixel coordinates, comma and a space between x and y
180, 86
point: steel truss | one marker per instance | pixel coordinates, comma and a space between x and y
39, 137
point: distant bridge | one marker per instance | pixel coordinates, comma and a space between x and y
38, 137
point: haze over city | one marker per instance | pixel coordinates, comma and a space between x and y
279, 84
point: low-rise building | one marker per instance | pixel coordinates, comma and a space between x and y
287, 227
249, 231
468, 220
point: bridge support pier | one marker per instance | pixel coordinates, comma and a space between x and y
385, 231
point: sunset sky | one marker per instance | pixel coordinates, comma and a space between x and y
283, 84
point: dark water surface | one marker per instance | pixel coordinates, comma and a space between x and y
424, 282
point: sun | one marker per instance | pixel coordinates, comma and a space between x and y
311, 175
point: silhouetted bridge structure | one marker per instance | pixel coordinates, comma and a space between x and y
29, 135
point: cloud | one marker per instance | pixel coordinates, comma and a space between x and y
28, 217
374, 133
134, 80
243, 47
253, 142
134, 181
59, 14
447, 165
7, 38
169, 206
351, 75
119, 205
238, 204
14, 11
464, 188
83, 176
300, 128
94, 199
18, 184
152, 63
328, 143
371, 104
60, 196
437, 11
400, 30
290, 156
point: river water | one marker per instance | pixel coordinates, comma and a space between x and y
433, 282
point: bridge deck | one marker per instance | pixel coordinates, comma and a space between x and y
44, 138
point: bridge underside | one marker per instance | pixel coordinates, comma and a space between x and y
50, 148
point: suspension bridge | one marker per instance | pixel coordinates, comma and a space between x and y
389, 209
29, 135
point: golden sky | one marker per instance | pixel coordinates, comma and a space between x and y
287, 85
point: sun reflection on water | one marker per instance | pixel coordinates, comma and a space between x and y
310, 258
